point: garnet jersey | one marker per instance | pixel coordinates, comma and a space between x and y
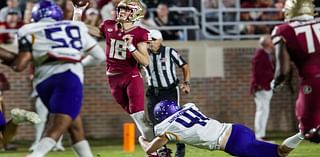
119, 59
302, 39
192, 127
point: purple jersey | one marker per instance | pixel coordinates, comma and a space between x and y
302, 41
119, 59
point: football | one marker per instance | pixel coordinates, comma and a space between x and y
80, 3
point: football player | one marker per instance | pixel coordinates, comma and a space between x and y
298, 40
56, 49
126, 47
9, 129
188, 125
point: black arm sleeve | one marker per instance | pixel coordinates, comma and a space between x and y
24, 45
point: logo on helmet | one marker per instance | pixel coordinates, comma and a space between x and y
294, 8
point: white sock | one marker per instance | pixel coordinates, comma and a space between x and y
293, 141
82, 149
145, 129
44, 146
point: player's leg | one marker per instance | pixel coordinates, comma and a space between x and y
135, 92
59, 124
242, 143
290, 144
43, 112
9, 129
62, 94
79, 144
308, 109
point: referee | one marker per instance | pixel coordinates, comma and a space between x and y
162, 79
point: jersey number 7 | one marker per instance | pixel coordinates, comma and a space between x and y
309, 30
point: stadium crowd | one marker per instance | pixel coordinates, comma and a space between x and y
16, 13
13, 16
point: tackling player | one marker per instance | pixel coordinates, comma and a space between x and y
298, 41
55, 47
126, 47
188, 125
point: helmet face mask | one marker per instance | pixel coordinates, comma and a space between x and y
46, 9
295, 8
165, 109
124, 13
133, 9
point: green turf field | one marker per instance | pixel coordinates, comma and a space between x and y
104, 149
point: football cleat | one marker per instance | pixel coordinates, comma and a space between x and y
21, 116
164, 152
284, 150
313, 135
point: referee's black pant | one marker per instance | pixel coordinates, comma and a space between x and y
155, 95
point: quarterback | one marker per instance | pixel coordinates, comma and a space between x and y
126, 48
298, 40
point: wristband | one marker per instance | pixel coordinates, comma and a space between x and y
131, 48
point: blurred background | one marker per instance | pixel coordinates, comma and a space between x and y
218, 39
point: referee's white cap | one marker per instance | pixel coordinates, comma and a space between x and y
155, 34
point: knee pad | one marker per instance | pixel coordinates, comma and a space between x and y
145, 129
313, 135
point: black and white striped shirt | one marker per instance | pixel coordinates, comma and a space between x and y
161, 71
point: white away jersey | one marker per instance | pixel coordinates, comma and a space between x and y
192, 127
64, 41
